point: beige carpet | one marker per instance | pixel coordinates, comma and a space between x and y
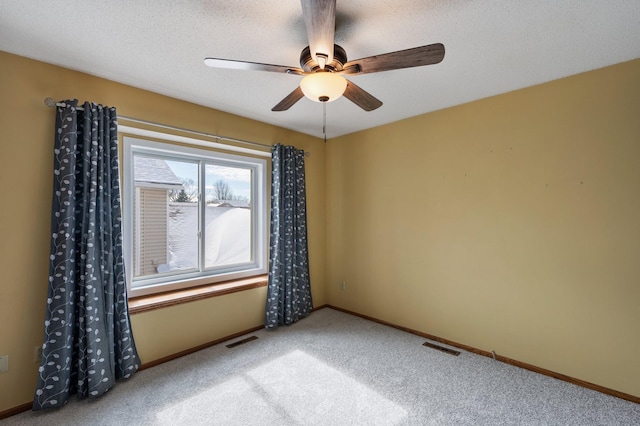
336, 369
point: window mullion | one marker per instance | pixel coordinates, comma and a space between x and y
202, 205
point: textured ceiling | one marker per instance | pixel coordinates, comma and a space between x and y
492, 47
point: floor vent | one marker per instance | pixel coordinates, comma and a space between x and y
441, 348
241, 342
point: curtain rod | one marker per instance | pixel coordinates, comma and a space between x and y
50, 102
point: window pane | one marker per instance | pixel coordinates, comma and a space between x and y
228, 216
165, 216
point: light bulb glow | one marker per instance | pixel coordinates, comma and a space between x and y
322, 85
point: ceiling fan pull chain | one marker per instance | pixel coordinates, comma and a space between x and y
324, 121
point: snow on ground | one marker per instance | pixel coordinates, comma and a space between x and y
227, 236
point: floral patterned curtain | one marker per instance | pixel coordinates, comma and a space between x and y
289, 288
88, 343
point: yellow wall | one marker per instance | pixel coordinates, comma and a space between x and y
509, 224
26, 165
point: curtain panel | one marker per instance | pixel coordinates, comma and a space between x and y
88, 343
289, 287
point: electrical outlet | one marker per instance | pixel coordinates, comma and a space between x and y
37, 353
343, 285
4, 363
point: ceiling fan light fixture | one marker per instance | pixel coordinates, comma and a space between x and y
323, 86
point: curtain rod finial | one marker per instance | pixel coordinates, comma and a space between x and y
50, 102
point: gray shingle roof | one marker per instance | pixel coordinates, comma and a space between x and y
154, 170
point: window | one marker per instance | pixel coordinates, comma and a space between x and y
192, 216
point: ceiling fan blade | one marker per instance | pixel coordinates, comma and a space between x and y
320, 21
361, 97
289, 100
251, 66
415, 57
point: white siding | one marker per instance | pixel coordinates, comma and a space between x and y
150, 242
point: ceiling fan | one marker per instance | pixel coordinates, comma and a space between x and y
324, 63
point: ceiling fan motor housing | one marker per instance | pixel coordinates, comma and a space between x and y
309, 64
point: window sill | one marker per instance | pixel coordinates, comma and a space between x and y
163, 300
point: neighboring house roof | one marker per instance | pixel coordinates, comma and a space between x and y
155, 172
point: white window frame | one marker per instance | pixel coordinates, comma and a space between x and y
169, 282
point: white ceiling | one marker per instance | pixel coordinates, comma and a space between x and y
492, 47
